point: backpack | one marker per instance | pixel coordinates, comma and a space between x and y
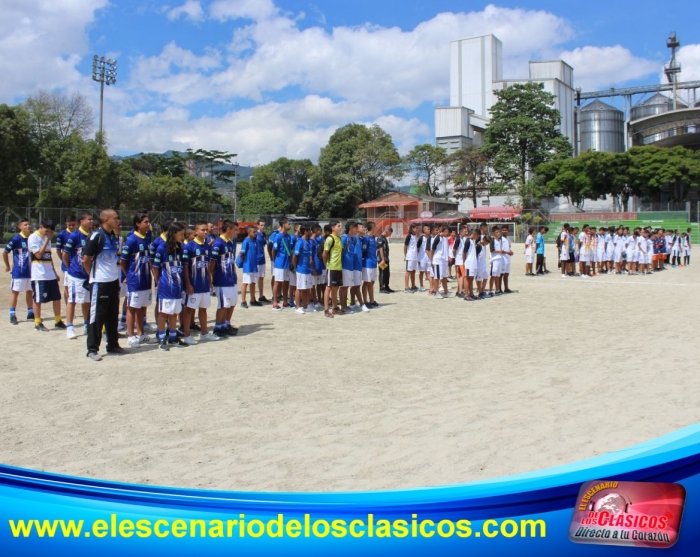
321, 247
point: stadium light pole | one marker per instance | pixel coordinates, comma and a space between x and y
104, 71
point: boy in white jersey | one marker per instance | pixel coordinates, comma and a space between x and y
458, 256
423, 259
410, 256
507, 254
565, 251
584, 247
45, 287
530, 252
482, 273
439, 258
471, 251
496, 261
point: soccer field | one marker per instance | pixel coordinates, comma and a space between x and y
417, 392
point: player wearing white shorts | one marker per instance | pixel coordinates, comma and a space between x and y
249, 264
196, 257
496, 261
410, 255
482, 272
281, 254
507, 254
222, 267
21, 270
369, 265
471, 250
439, 253
76, 277
261, 246
302, 261
424, 267
136, 264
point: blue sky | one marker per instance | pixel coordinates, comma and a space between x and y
269, 78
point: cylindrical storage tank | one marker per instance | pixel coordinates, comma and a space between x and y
602, 128
651, 107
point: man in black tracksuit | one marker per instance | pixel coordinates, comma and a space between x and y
101, 263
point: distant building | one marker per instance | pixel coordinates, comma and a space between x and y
397, 208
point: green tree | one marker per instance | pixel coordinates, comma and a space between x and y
17, 156
470, 170
358, 164
523, 132
261, 203
426, 163
288, 180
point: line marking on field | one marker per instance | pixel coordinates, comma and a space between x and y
628, 283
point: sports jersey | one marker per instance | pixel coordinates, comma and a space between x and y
21, 261
318, 261
529, 241
195, 258
170, 280
458, 249
224, 253
540, 244
42, 268
496, 245
272, 238
74, 248
369, 252
411, 244
505, 246
357, 259
282, 247
260, 243
136, 253
423, 245
334, 246
348, 252
303, 251
440, 249
61, 239
155, 244
249, 249
471, 257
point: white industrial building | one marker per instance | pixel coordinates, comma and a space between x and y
476, 72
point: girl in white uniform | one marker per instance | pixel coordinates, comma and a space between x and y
529, 252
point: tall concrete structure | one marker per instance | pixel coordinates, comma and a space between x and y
476, 71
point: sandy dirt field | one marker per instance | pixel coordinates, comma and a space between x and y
418, 392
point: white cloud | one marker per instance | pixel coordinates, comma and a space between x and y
242, 9
604, 67
191, 10
689, 57
41, 42
295, 129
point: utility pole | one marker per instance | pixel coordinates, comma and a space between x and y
104, 71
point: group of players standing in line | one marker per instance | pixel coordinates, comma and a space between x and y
312, 269
616, 250
433, 253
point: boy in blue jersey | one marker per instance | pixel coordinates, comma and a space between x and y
136, 264
61, 239
320, 278
356, 296
304, 265
281, 254
168, 273
196, 256
369, 265
261, 244
348, 262
222, 267
21, 270
155, 244
270, 243
292, 270
76, 277
249, 258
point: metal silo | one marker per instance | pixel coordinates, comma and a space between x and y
602, 128
651, 107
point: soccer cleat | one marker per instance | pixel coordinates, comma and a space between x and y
189, 341
460, 294
144, 339
373, 304
148, 328
263, 299
292, 304
232, 331
408, 291
276, 307
219, 334
133, 342
364, 308
438, 296
116, 350
13, 320
70, 333
60, 325
163, 345
319, 306
195, 327
94, 356
310, 308
41, 328
244, 305
209, 336
179, 342
300, 311
421, 289
256, 304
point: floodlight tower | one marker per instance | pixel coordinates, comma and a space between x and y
673, 68
104, 71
